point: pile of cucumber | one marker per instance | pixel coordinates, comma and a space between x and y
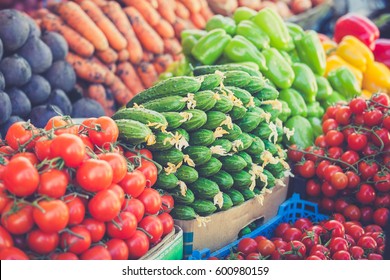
217, 135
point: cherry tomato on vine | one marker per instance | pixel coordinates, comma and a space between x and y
133, 183
358, 105
12, 253
352, 212
382, 181
292, 234
266, 248
118, 249
97, 252
153, 226
104, 131
381, 216
104, 206
367, 169
138, 245
373, 117
51, 215
167, 222
19, 134
335, 228
366, 194
77, 241
150, 171
295, 250
281, 228
17, 218
320, 141
247, 246
96, 229
70, 148
53, 183
313, 188
76, 210
367, 242
357, 141
343, 115
335, 152
294, 154
380, 137
307, 169
61, 125
328, 190
134, 206
94, 175
123, 226
118, 164
42, 242
328, 125
334, 138
151, 199
339, 180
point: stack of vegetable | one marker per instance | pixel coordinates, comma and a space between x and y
34, 74
217, 135
68, 192
119, 51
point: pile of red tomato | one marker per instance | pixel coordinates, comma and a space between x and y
71, 192
348, 169
303, 240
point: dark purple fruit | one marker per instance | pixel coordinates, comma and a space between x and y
14, 29
5, 107
37, 54
21, 105
16, 71
87, 108
37, 89
61, 75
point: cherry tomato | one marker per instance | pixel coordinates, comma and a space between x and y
104, 206
382, 182
358, 105
366, 194
70, 148
355, 231
380, 137
353, 179
12, 253
86, 125
5, 239
335, 152
76, 210
42, 148
104, 131
335, 228
356, 252
330, 170
370, 150
167, 202
339, 180
328, 190
367, 242
327, 204
340, 204
381, 99
133, 183
61, 125
167, 222
366, 214
42, 242
51, 216
151, 199
357, 141
334, 138
118, 249
381, 216
96, 229
320, 141
118, 164
266, 247
386, 122
307, 169
19, 134
374, 256
134, 206
281, 229
294, 154
123, 226
138, 245
303, 224
382, 200
373, 117
77, 241
313, 188
352, 212
118, 191
4, 199
347, 131
87, 143
337, 244
17, 218
253, 256
150, 171
153, 226
97, 252
94, 175
341, 255
66, 256
328, 125
343, 115
53, 183
350, 157
295, 250
309, 239
367, 169
247, 246
321, 167
292, 234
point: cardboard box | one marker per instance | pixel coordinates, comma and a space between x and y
222, 228
170, 248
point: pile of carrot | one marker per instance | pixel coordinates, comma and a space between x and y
119, 48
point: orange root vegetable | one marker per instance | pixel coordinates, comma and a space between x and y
193, 6
147, 11
97, 92
198, 20
181, 11
148, 37
147, 73
76, 42
165, 29
205, 10
178, 57
123, 55
129, 77
179, 26
121, 93
40, 13
166, 10
147, 57
115, 13
108, 56
86, 69
76, 18
172, 46
162, 62
114, 37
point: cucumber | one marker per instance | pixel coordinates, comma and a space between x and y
214, 119
237, 112
210, 81
203, 207
166, 182
224, 143
205, 100
183, 212
257, 146
224, 104
227, 202
186, 199
210, 168
182, 132
257, 102
270, 180
162, 142
199, 154
267, 93
187, 174
247, 194
174, 119
173, 103
223, 179
246, 157
271, 147
173, 156
236, 78
277, 170
233, 133
242, 180
210, 69
263, 131
202, 137
249, 122
204, 188
199, 118
233, 163
142, 115
241, 94
274, 112
236, 197
256, 158
255, 85
246, 140
133, 132
174, 86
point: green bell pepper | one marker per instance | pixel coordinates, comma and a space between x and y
315, 110
344, 81
243, 13
295, 102
210, 47
188, 44
240, 49
303, 133
305, 82
286, 111
311, 52
193, 32
278, 70
324, 88
272, 24
334, 98
253, 33
294, 56
294, 30
316, 125
287, 57
225, 23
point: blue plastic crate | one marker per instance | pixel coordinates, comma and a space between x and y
289, 211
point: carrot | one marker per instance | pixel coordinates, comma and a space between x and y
97, 2
149, 38
40, 13
123, 55
147, 57
108, 56
112, 67
181, 11
165, 29
76, 42
147, 73
178, 57
205, 10
86, 69
154, 3
179, 26
193, 6
76, 18
166, 10
97, 92
172, 46
114, 37
120, 92
146, 10
129, 77
198, 20
162, 62
115, 13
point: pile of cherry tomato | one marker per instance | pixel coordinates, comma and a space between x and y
72, 192
348, 169
303, 240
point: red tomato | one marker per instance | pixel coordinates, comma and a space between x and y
42, 242
328, 125
134, 206
355, 231
340, 204
343, 115
279, 244
337, 244
118, 191
335, 228
313, 188
309, 239
338, 217
153, 226
307, 169
292, 234
339, 180
6, 150
353, 179
76, 244
357, 141
294, 154
328, 190
352, 212
347, 131
167, 202
123, 226
133, 183
17, 218
86, 125
87, 143
118, 249
368, 169
341, 255
320, 248
104, 206
381, 216
321, 167
295, 250
382, 181
335, 152
356, 252
366, 194
380, 137
151, 199
247, 246
373, 117
320, 141
317, 229
253, 256
150, 171
358, 105
30, 156
303, 224
5, 239
380, 98
334, 138
366, 214
51, 216
19, 134
53, 183
266, 248
330, 170
373, 228
386, 122
327, 204
12, 253
104, 131
382, 200
118, 164
314, 153
4, 199
61, 125
66, 256
374, 256
367, 242
167, 222
76, 210
94, 175
278, 254
97, 252
70, 148
20, 177
281, 229
96, 229
350, 157
370, 150
42, 148
138, 245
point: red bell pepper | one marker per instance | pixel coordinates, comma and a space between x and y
382, 51
358, 26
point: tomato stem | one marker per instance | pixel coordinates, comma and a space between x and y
144, 231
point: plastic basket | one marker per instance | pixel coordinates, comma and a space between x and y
289, 211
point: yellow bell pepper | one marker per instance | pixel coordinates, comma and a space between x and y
334, 62
329, 47
377, 78
353, 51
366, 94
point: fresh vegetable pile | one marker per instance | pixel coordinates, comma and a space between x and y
304, 240
119, 51
348, 168
217, 135
68, 192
